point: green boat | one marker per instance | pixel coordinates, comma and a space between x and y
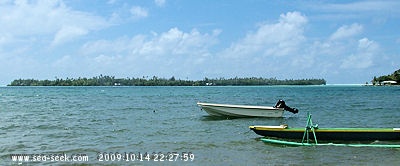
343, 134
312, 132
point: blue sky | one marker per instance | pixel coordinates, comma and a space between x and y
340, 41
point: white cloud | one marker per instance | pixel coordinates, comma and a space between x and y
108, 60
172, 42
176, 42
21, 18
28, 28
170, 53
346, 31
122, 45
68, 33
362, 6
364, 56
43, 19
281, 44
111, 1
138, 12
279, 39
159, 3
377, 11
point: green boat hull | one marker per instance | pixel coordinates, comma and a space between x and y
289, 143
345, 134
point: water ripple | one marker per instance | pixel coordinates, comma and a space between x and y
165, 119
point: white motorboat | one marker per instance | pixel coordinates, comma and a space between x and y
240, 111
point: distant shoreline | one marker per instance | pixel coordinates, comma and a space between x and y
156, 81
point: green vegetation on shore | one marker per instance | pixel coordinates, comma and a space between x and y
155, 81
395, 76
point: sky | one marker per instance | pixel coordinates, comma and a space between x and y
343, 42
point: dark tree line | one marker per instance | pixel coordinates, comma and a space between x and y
156, 81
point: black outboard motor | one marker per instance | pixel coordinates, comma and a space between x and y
282, 104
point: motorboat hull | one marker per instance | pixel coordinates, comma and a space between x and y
240, 111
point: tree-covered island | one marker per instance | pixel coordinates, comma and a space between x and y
156, 81
391, 79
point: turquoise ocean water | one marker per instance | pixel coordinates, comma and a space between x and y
103, 122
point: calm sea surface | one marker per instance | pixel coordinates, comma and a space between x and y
119, 120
